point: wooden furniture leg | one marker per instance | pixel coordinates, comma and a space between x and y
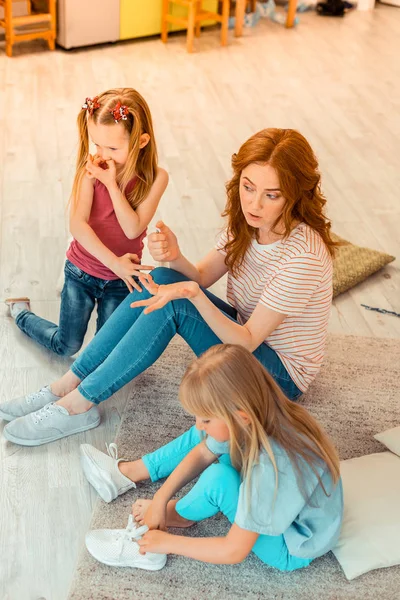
8, 28
164, 22
239, 16
198, 23
51, 41
191, 26
291, 15
225, 22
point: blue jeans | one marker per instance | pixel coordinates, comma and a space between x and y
217, 490
131, 341
78, 299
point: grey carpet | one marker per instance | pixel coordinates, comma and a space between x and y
355, 395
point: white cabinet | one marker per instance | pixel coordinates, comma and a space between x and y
87, 22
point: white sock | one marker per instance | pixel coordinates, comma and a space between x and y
18, 307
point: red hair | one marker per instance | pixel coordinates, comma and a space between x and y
289, 153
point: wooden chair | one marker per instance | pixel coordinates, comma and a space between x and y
28, 27
241, 9
196, 15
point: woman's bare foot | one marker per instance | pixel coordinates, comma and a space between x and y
75, 403
141, 506
65, 385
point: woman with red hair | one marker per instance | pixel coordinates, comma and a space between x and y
277, 251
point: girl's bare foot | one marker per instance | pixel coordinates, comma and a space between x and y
135, 470
141, 506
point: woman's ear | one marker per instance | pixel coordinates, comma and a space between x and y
144, 140
244, 416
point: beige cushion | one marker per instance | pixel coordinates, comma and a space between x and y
371, 525
391, 439
352, 264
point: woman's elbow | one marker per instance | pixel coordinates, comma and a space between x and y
248, 341
249, 345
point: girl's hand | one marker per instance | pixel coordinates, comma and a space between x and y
162, 294
127, 267
155, 541
163, 246
103, 170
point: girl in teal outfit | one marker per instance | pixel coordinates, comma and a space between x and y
276, 478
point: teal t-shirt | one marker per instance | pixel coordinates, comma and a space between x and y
310, 525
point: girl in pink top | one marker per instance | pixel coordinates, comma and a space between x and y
115, 195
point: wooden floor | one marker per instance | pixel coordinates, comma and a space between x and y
336, 80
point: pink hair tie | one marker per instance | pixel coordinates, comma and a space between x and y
91, 104
120, 111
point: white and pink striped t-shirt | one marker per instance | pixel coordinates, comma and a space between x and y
292, 277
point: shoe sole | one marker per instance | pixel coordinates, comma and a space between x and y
110, 563
89, 468
22, 442
97, 478
7, 417
9, 301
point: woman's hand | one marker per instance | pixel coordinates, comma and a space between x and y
103, 170
127, 267
155, 541
162, 294
163, 246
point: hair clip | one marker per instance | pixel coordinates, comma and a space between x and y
120, 111
91, 104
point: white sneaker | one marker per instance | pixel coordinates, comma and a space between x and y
102, 472
50, 423
118, 548
19, 407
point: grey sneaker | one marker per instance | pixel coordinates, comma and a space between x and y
19, 407
102, 471
50, 423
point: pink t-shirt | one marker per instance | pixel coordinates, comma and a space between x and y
104, 223
292, 277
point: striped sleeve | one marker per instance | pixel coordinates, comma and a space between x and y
290, 290
221, 243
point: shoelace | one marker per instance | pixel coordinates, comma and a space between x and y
43, 413
112, 450
132, 532
35, 395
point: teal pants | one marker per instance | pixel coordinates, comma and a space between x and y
217, 490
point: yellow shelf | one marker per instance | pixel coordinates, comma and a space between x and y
140, 18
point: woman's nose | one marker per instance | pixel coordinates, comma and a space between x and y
256, 202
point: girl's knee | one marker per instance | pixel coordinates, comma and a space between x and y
66, 351
220, 476
220, 485
64, 348
164, 276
